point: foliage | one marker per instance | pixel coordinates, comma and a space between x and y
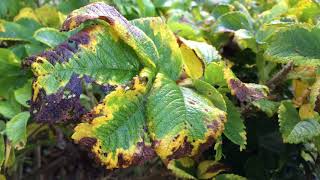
196, 88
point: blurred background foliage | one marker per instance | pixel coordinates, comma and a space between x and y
242, 31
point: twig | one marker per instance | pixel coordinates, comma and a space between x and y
280, 76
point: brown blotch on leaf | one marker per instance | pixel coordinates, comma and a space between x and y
217, 167
87, 142
243, 93
184, 150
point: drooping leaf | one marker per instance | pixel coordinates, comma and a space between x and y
115, 131
183, 168
50, 37
132, 35
16, 129
170, 60
293, 129
297, 44
181, 122
208, 169
244, 91
235, 129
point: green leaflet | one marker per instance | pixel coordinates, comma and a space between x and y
231, 22
296, 44
17, 31
180, 121
23, 94
234, 127
211, 93
16, 129
170, 60
293, 129
269, 107
214, 74
49, 36
116, 133
101, 52
132, 35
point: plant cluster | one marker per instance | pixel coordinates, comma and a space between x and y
208, 90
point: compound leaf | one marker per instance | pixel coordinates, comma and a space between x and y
181, 122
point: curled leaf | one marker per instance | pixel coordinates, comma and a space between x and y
132, 35
245, 92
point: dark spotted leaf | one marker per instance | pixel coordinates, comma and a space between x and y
89, 54
245, 92
115, 131
132, 35
181, 122
293, 129
170, 60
